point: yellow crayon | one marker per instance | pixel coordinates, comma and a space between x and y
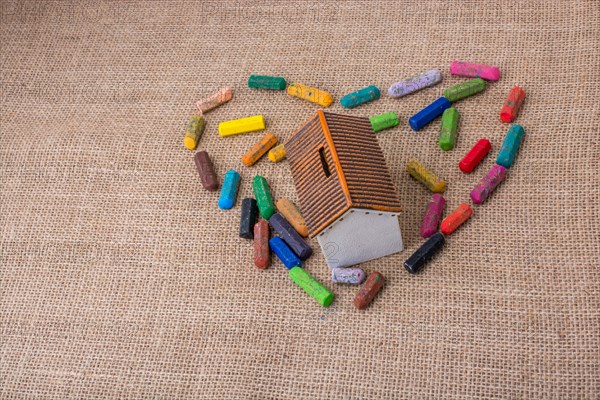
259, 149
426, 177
293, 216
308, 93
277, 153
242, 125
194, 131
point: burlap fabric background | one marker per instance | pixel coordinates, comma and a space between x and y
122, 279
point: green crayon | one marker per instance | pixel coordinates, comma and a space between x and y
310, 285
262, 193
449, 128
465, 89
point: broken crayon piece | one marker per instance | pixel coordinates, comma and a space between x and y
262, 254
349, 276
384, 121
513, 103
311, 94
367, 293
449, 129
194, 131
259, 149
464, 90
473, 70
231, 182
293, 216
474, 156
433, 215
415, 83
219, 98
311, 286
266, 82
361, 96
277, 153
248, 219
429, 113
205, 168
262, 193
284, 253
290, 236
425, 176
510, 146
424, 253
242, 125
488, 183
456, 218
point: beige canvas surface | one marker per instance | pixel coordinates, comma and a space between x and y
121, 279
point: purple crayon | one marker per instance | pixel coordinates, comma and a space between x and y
350, 276
415, 83
488, 183
433, 215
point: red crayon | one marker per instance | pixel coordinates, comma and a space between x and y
474, 156
262, 256
511, 106
456, 218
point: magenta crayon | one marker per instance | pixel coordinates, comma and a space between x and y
488, 183
433, 215
472, 70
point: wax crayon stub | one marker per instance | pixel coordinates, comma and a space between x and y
248, 219
231, 182
266, 82
359, 97
311, 94
510, 146
219, 98
424, 253
311, 286
242, 125
465, 89
473, 70
194, 131
262, 192
284, 253
277, 153
349, 276
429, 113
474, 156
425, 176
415, 83
293, 216
433, 215
456, 218
513, 103
488, 183
290, 236
259, 149
449, 129
205, 168
262, 254
367, 293
384, 121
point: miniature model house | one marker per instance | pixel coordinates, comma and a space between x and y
346, 193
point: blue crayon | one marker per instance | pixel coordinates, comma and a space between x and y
284, 253
359, 97
231, 182
429, 113
510, 146
290, 236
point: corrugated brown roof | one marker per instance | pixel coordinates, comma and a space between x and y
358, 176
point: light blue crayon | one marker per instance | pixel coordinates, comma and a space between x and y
231, 183
284, 253
359, 97
510, 146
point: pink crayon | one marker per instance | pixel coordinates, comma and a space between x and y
433, 214
488, 183
472, 70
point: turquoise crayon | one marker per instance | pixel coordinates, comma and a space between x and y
359, 97
510, 146
231, 182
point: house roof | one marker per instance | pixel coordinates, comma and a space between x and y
337, 164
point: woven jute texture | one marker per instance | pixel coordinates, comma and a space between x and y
121, 278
